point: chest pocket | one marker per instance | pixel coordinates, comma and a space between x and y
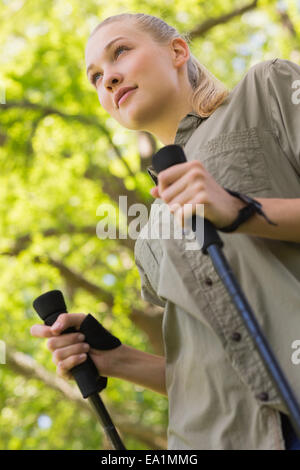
236, 160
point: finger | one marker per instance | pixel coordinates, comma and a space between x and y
64, 366
57, 342
66, 320
178, 215
41, 331
182, 213
73, 350
169, 193
184, 198
171, 174
182, 190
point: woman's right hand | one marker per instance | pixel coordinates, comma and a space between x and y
123, 362
68, 349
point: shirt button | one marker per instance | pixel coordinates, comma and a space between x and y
263, 396
208, 281
236, 336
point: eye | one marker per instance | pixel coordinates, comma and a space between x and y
93, 79
119, 48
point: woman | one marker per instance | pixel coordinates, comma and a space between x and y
247, 140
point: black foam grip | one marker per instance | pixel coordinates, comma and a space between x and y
172, 155
168, 156
96, 335
49, 306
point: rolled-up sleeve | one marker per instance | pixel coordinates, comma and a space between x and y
147, 291
283, 89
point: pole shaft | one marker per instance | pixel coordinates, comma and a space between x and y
242, 305
109, 428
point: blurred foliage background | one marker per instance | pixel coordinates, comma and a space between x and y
61, 157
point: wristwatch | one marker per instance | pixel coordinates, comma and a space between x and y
246, 212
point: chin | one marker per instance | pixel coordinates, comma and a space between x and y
136, 116
132, 126
134, 123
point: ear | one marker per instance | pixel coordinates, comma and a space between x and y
180, 51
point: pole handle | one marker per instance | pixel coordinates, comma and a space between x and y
49, 306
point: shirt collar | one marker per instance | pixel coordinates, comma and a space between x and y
185, 129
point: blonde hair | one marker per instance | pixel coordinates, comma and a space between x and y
208, 91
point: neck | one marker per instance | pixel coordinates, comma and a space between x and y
165, 128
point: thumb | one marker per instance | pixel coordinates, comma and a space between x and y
66, 320
154, 191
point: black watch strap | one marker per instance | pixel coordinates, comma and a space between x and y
246, 212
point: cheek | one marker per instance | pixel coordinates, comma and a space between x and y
156, 72
141, 67
104, 100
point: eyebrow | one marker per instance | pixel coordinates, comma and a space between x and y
105, 49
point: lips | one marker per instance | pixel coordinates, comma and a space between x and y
121, 93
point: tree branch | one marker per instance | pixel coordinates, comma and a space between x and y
286, 22
86, 120
113, 186
23, 241
79, 281
210, 23
29, 368
148, 320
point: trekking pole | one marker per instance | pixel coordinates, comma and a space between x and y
211, 244
49, 306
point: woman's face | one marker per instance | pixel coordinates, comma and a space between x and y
139, 63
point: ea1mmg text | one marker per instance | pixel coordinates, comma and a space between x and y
151, 459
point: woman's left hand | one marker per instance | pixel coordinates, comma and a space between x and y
185, 185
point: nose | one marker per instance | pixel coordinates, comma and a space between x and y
112, 80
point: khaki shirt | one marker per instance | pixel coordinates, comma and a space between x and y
220, 394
